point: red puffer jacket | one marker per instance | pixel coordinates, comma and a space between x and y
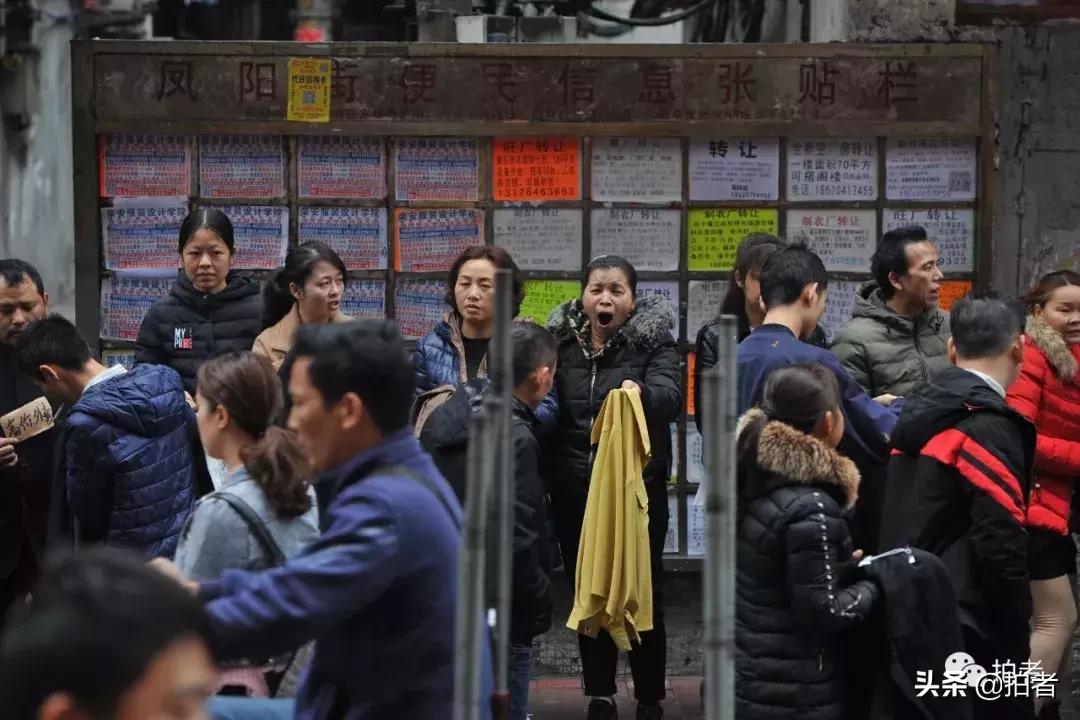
1048, 393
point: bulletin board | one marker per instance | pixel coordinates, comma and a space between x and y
399, 156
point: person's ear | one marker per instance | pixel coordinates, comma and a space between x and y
1018, 350
350, 411
894, 280
823, 428
950, 346
45, 301
1037, 311
221, 417
295, 290
809, 294
48, 374
738, 278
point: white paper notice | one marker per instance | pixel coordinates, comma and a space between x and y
845, 239
671, 540
930, 169
828, 169
646, 170
695, 529
541, 238
952, 230
695, 467
838, 307
649, 239
735, 169
703, 303
666, 288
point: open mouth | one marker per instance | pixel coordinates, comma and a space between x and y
604, 318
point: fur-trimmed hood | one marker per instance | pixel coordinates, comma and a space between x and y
648, 326
1054, 347
790, 457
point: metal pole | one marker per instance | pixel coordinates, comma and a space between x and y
469, 628
718, 392
501, 369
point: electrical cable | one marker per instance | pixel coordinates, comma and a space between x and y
650, 22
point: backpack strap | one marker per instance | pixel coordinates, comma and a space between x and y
425, 481
255, 525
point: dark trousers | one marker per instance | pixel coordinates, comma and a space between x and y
599, 655
985, 654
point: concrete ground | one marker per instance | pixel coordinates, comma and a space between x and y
552, 698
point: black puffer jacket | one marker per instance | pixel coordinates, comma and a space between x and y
642, 351
795, 589
223, 322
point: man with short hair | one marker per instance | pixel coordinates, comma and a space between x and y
896, 338
129, 443
958, 484
378, 590
106, 637
26, 469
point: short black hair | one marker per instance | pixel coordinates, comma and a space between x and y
890, 256
613, 262
53, 340
15, 271
984, 324
788, 271
98, 619
533, 347
366, 357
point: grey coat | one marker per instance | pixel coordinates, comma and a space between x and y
889, 353
215, 538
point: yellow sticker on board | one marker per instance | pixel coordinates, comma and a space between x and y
309, 90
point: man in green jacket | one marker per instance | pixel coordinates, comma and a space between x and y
896, 338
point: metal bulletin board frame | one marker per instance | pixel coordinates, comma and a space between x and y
788, 92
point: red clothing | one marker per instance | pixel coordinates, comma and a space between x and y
1048, 393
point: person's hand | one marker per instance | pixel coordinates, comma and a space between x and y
630, 385
8, 456
191, 401
169, 569
885, 399
857, 555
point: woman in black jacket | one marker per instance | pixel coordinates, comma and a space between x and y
209, 309
795, 589
609, 339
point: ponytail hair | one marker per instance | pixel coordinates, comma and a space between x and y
300, 261
796, 395
250, 391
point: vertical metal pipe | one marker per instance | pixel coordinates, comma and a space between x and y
501, 371
718, 392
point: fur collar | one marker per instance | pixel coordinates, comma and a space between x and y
791, 457
648, 327
1054, 347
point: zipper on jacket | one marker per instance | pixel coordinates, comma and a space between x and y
821, 660
592, 413
1038, 490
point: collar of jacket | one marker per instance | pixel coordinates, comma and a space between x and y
790, 457
236, 287
1054, 347
282, 332
870, 303
648, 326
450, 331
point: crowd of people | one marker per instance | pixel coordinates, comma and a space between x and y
314, 574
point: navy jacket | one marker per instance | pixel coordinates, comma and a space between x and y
437, 362
129, 465
867, 425
377, 592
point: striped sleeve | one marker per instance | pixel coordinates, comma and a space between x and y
981, 466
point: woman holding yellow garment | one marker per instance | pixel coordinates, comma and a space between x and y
609, 339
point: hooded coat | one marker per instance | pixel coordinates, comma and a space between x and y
643, 351
1048, 394
129, 461
795, 589
186, 328
886, 353
957, 486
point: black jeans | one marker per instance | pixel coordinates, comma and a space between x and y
599, 655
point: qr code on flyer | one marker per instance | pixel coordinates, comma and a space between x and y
960, 181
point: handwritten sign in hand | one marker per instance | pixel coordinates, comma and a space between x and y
31, 419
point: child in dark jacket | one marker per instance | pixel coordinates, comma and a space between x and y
445, 436
795, 589
129, 448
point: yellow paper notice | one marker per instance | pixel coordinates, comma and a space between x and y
309, 90
543, 296
715, 234
33, 418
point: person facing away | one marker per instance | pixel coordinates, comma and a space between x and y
106, 637
26, 469
958, 483
308, 290
609, 339
446, 436
796, 586
209, 309
456, 350
377, 591
1048, 394
896, 338
130, 466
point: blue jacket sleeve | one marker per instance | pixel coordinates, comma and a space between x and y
420, 371
547, 413
869, 424
352, 564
